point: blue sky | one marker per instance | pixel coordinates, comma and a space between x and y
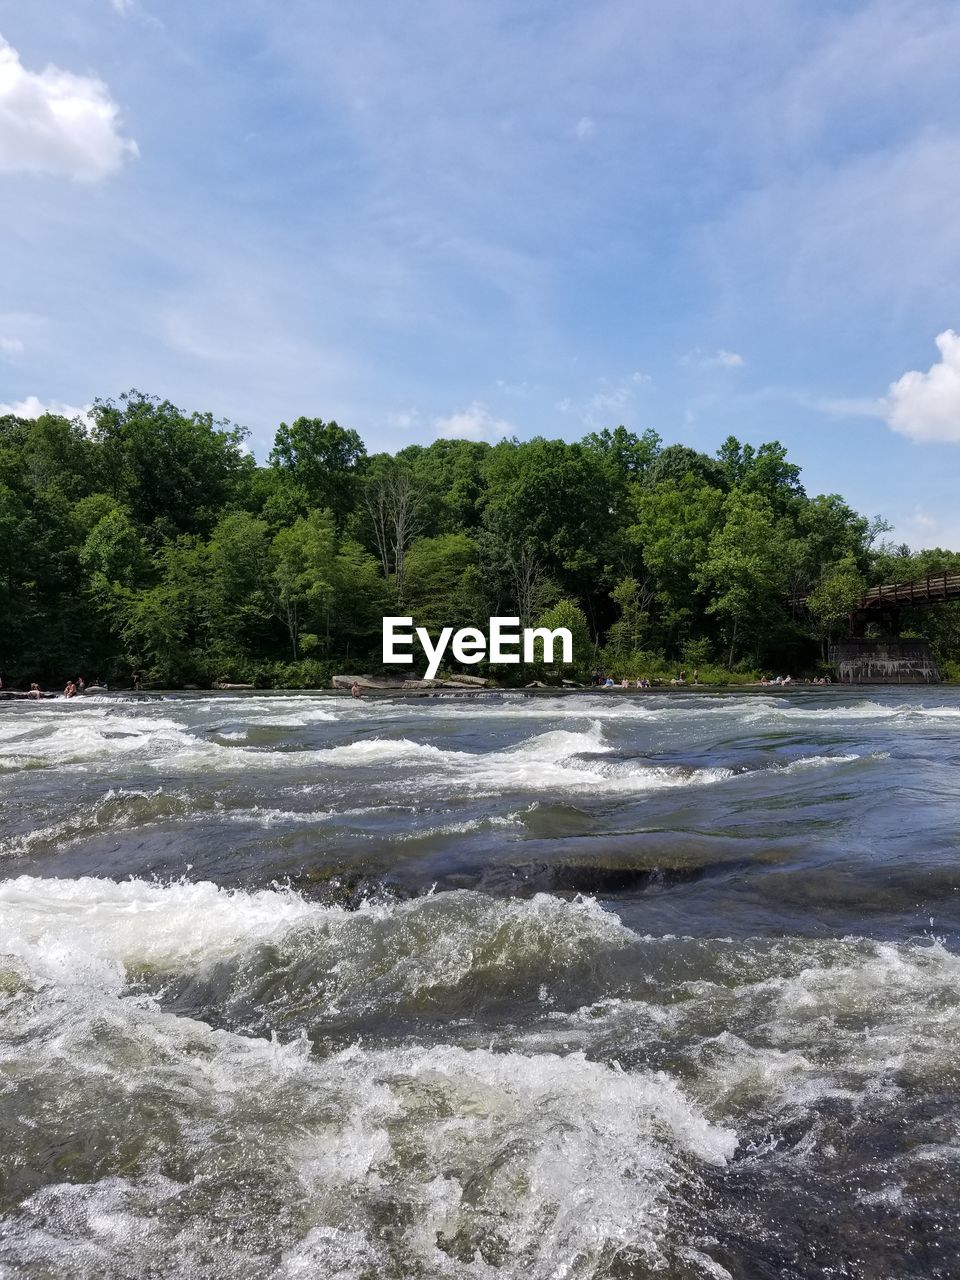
500, 217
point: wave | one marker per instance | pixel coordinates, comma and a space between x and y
72, 930
409, 1161
526, 1159
559, 760
96, 929
774, 1028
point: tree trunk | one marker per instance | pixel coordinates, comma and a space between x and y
292, 626
733, 642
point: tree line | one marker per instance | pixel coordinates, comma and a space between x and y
149, 540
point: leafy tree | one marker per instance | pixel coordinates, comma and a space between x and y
240, 603
678, 462
673, 525
174, 471
304, 575
567, 613
743, 570
554, 499
322, 458
114, 550
764, 471
628, 632
836, 597
165, 626
442, 582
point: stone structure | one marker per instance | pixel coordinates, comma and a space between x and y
884, 662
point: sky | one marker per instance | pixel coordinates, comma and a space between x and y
500, 217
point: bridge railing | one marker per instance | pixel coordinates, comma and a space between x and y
926, 590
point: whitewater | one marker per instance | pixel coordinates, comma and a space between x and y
561, 987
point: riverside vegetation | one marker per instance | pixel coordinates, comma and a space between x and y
148, 539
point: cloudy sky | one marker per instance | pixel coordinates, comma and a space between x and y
496, 217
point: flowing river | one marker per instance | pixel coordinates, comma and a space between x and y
548, 987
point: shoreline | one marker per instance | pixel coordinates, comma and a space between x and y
458, 693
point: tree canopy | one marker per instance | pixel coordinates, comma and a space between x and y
149, 539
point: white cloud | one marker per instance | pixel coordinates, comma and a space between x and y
611, 399
920, 529
122, 6
55, 122
523, 388
34, 407
585, 128
719, 359
848, 406
476, 422
10, 348
725, 360
926, 406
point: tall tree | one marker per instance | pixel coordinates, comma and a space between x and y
174, 471
325, 459
395, 506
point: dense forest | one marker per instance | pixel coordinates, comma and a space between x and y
147, 539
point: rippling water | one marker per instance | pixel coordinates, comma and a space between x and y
590, 986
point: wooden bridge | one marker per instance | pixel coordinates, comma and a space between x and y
935, 588
892, 661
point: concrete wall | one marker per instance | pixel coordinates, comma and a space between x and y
884, 662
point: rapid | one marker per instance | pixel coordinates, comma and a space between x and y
560, 987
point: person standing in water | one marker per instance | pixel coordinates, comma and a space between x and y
71, 690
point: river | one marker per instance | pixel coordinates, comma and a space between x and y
571, 987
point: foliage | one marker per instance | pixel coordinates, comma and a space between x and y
149, 540
566, 613
837, 594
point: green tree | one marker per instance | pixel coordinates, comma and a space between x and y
673, 525
324, 459
165, 627
555, 499
744, 572
837, 595
567, 613
173, 471
304, 575
628, 632
442, 582
239, 564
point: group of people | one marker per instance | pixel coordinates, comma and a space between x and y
600, 681
781, 680
71, 689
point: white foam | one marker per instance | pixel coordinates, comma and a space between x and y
778, 1027
70, 929
58, 925
937, 713
553, 1155
548, 1158
547, 762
